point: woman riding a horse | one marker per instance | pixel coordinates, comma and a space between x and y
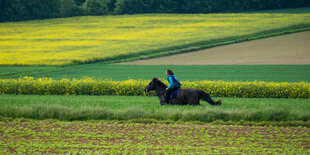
174, 85
184, 96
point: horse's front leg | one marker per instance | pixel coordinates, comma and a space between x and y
162, 100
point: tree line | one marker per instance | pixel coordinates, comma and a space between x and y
17, 10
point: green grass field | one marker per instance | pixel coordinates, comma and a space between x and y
103, 38
57, 124
276, 73
148, 108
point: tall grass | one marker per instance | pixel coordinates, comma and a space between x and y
105, 38
148, 108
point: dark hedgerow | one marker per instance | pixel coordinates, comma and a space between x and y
17, 10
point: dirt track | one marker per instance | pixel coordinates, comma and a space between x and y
285, 49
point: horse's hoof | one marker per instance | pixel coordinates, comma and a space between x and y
218, 103
165, 103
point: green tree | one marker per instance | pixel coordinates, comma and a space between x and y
97, 7
13, 10
111, 5
79, 2
40, 9
69, 8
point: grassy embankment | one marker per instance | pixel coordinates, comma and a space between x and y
127, 37
294, 112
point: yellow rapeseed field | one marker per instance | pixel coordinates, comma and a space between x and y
68, 40
88, 86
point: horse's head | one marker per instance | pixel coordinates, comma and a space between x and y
152, 85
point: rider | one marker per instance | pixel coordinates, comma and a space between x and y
174, 85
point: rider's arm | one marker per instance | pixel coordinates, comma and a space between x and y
170, 81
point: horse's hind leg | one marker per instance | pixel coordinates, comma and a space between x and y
206, 97
193, 100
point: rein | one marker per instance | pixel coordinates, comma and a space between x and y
161, 92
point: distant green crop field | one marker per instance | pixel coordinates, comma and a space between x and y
276, 73
102, 38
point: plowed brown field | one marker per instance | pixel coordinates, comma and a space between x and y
285, 49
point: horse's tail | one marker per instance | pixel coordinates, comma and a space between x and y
206, 97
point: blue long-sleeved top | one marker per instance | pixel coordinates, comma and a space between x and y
174, 82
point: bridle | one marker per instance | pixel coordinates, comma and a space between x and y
159, 93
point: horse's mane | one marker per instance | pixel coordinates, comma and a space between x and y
155, 79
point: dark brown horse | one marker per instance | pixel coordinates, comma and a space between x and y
184, 97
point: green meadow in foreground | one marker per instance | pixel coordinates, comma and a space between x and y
87, 39
57, 137
276, 73
148, 108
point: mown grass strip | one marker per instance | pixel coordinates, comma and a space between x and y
89, 86
161, 122
268, 73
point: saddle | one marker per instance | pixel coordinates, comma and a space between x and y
174, 94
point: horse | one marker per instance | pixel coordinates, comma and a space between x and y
185, 96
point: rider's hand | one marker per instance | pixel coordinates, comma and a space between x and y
166, 88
